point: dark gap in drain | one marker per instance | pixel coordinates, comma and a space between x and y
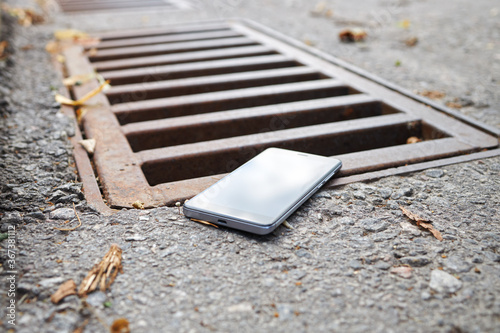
144, 136
224, 161
157, 110
183, 58
199, 85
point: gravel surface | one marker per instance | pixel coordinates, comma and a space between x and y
352, 263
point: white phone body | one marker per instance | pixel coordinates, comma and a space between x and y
259, 195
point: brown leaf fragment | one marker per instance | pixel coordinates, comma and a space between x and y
413, 139
204, 222
432, 94
3, 46
352, 35
454, 105
104, 273
412, 216
120, 325
421, 222
138, 205
412, 41
402, 271
429, 227
65, 289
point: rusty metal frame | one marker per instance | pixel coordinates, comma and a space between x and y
122, 169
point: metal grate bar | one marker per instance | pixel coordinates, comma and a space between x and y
170, 88
172, 38
183, 57
202, 68
226, 100
93, 5
216, 125
170, 30
134, 51
191, 160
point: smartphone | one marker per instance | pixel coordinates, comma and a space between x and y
259, 195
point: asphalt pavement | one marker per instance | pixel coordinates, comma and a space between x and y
352, 262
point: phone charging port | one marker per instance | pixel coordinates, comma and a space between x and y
221, 222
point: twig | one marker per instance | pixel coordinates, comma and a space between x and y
79, 222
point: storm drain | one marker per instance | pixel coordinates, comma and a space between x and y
191, 103
71, 6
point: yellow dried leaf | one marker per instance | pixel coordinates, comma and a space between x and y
53, 47
60, 58
80, 114
204, 222
70, 34
66, 101
78, 79
405, 24
138, 205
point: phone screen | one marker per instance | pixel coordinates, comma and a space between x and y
266, 187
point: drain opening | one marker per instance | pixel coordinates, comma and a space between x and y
233, 153
192, 102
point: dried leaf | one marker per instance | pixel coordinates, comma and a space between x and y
205, 222
454, 105
76, 36
138, 205
432, 94
53, 47
429, 227
421, 222
88, 145
104, 273
25, 16
352, 35
405, 24
70, 34
79, 222
120, 325
80, 114
413, 139
65, 289
77, 80
66, 101
412, 41
402, 271
287, 225
412, 216
3, 46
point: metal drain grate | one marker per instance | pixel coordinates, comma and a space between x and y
191, 103
71, 6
